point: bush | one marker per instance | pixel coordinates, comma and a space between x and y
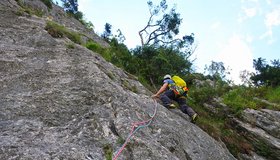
273, 95
28, 10
54, 29
239, 99
95, 47
108, 150
58, 31
48, 3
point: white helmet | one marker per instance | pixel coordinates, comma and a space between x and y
167, 76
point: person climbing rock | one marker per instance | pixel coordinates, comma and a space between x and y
170, 91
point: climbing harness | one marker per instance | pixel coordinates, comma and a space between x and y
135, 127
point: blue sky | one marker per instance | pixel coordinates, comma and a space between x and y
231, 31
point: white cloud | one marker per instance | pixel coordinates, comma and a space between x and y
250, 12
215, 25
273, 18
249, 38
237, 55
268, 2
249, 9
247, 13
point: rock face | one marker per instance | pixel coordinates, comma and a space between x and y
58, 102
262, 129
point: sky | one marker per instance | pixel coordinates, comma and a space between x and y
230, 31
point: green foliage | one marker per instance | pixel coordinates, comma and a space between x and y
208, 90
107, 149
235, 142
48, 3
242, 97
70, 6
202, 94
73, 36
239, 99
54, 29
78, 15
162, 29
121, 56
28, 10
217, 71
70, 45
107, 34
264, 150
95, 47
128, 86
153, 63
217, 125
59, 31
120, 140
273, 95
88, 25
268, 75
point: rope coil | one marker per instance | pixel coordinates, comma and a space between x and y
138, 126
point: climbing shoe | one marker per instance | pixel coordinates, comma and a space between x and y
194, 118
171, 106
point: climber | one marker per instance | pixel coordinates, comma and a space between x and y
166, 95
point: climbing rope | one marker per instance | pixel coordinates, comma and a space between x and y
135, 127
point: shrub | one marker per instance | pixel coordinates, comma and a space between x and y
58, 31
273, 95
28, 10
54, 29
73, 36
108, 151
239, 99
70, 45
95, 47
202, 94
48, 3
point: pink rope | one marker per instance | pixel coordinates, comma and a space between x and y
133, 130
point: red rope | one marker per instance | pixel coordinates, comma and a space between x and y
133, 130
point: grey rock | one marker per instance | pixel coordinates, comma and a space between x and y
252, 156
261, 140
266, 119
201, 83
69, 103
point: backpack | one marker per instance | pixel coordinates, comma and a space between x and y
180, 88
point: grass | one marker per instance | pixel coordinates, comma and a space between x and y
218, 127
239, 99
108, 152
70, 45
95, 47
28, 10
58, 31
273, 95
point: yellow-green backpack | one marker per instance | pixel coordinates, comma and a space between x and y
180, 88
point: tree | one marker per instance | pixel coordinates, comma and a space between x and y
162, 31
245, 77
259, 64
217, 70
70, 6
266, 74
107, 34
153, 63
120, 37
